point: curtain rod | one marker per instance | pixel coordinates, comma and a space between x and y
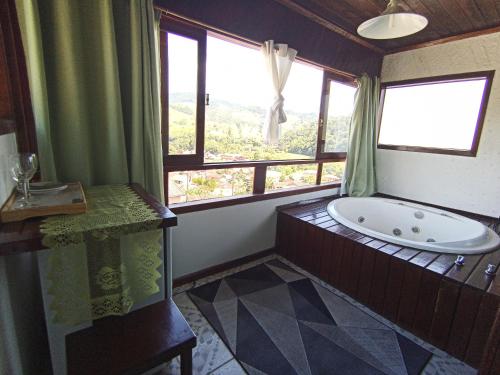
253, 43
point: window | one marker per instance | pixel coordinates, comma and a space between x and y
215, 96
337, 106
438, 115
237, 89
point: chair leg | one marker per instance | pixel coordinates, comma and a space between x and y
187, 362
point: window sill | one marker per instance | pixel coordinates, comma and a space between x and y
182, 208
428, 150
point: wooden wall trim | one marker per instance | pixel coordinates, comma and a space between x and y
449, 39
328, 24
209, 271
18, 76
256, 21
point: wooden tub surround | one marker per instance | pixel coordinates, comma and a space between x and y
453, 307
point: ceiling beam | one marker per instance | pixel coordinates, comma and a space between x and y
329, 25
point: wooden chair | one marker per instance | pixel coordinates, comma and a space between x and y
133, 343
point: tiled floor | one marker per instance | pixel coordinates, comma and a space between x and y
212, 357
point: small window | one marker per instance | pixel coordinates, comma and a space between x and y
437, 115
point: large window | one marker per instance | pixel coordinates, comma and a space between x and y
439, 114
215, 95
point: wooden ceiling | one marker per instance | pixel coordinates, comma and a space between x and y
447, 18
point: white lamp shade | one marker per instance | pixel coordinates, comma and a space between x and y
395, 25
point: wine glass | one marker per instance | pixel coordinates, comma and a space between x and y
23, 167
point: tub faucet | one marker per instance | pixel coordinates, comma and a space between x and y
490, 269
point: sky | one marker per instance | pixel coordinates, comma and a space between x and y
433, 115
238, 74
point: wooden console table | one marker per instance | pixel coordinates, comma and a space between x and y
131, 343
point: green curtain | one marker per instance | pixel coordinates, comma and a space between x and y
360, 177
94, 77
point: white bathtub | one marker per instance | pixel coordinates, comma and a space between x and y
414, 225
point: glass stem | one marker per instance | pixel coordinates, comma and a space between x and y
25, 190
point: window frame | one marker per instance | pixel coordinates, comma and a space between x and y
200, 35
179, 163
328, 77
470, 76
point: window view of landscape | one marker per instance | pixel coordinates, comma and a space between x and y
191, 186
182, 89
239, 96
332, 172
338, 116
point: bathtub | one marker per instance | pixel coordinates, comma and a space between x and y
414, 225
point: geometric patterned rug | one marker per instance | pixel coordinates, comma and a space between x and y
277, 321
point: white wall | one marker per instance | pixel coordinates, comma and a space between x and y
466, 183
207, 238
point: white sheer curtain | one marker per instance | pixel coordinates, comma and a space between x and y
278, 59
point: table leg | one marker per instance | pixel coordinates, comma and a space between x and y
187, 362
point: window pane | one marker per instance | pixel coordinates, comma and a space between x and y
239, 91
191, 186
288, 176
338, 116
182, 93
440, 115
332, 172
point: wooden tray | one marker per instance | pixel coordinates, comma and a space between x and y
69, 201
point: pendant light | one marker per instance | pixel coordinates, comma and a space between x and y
394, 22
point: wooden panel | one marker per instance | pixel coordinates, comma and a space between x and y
463, 321
394, 285
313, 41
366, 274
482, 328
409, 296
6, 110
348, 280
379, 281
444, 312
14, 86
335, 246
447, 18
490, 364
427, 297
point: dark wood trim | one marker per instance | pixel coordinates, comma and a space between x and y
469, 76
453, 38
259, 179
182, 208
246, 164
323, 115
329, 25
488, 75
18, 77
209, 271
7, 126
